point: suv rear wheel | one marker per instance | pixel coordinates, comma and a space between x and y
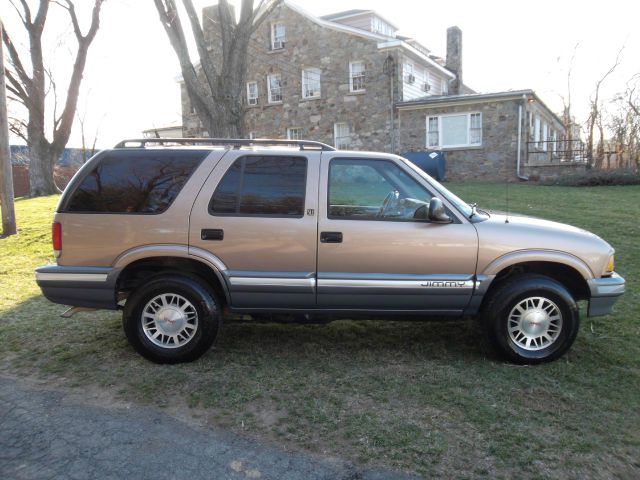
172, 318
531, 319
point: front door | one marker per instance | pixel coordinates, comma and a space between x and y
373, 254
256, 214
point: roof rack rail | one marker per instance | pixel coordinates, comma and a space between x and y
229, 142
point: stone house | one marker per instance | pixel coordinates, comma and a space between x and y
350, 80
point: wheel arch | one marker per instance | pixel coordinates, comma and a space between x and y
567, 270
136, 265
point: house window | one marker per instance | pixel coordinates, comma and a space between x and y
545, 135
458, 130
445, 86
252, 135
341, 135
409, 76
379, 26
294, 133
278, 32
252, 93
311, 83
426, 83
536, 129
433, 136
356, 76
475, 129
274, 87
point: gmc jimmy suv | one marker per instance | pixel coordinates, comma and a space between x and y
176, 231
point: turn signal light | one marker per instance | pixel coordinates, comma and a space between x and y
56, 237
610, 265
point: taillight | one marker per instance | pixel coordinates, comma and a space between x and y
56, 237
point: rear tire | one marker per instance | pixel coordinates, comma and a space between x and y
531, 319
172, 318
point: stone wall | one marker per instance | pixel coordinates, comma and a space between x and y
309, 45
494, 160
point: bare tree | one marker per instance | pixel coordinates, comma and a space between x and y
216, 88
31, 89
6, 173
625, 124
594, 114
567, 117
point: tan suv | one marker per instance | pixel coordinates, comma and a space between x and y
176, 232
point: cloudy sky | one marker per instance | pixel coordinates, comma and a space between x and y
130, 77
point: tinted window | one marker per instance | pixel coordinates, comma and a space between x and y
262, 185
134, 182
373, 190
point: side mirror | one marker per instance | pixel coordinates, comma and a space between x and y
437, 213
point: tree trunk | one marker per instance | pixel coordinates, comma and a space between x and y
6, 171
41, 163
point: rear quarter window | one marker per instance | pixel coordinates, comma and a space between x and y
134, 182
269, 186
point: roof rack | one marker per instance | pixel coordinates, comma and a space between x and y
228, 142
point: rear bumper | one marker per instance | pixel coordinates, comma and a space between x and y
604, 294
91, 287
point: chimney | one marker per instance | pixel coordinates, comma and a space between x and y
454, 58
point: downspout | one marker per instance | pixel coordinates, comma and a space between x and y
520, 176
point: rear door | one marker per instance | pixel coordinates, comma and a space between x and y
373, 254
256, 214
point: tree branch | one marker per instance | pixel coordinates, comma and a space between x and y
16, 87
205, 58
15, 60
21, 14
62, 127
171, 22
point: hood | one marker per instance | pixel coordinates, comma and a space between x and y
497, 238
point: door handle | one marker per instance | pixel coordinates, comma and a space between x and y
212, 234
330, 237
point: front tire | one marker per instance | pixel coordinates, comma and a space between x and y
531, 319
172, 318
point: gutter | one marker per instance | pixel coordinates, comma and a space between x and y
520, 176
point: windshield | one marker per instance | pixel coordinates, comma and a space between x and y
460, 204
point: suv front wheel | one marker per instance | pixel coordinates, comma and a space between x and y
172, 318
531, 319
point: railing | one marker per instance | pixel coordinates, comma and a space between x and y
556, 151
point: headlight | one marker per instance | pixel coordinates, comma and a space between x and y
610, 266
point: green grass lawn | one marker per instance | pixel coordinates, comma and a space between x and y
423, 397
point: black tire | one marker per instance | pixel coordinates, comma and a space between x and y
515, 292
189, 293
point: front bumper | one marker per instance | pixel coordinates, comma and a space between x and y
604, 293
91, 287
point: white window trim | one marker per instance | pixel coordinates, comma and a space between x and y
317, 94
408, 69
269, 100
249, 97
335, 135
273, 36
464, 145
290, 129
364, 73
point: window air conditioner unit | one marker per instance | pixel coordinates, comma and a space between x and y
426, 87
253, 101
411, 78
278, 45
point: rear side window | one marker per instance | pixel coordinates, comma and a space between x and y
135, 182
262, 186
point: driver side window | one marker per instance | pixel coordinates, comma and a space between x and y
373, 190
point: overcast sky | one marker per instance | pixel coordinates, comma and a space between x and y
130, 79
